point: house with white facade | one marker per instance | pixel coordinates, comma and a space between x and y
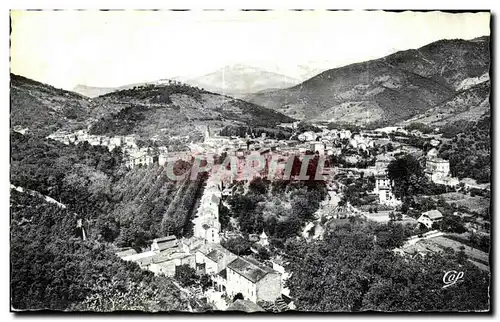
255, 281
383, 189
430, 217
438, 169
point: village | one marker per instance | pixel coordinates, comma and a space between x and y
243, 282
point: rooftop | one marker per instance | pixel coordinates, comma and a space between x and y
215, 199
437, 160
385, 158
433, 214
126, 252
215, 255
250, 269
165, 239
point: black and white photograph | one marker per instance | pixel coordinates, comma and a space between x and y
250, 161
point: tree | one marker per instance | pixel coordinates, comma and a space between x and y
452, 224
351, 270
407, 175
186, 275
237, 245
205, 282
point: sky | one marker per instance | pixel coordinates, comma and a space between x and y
115, 48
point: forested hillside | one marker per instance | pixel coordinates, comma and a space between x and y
43, 109
118, 208
174, 110
126, 206
52, 268
354, 269
469, 150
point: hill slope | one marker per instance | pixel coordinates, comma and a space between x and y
389, 89
44, 109
469, 104
174, 109
165, 109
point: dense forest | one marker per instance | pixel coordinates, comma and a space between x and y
279, 208
354, 269
469, 150
44, 109
52, 268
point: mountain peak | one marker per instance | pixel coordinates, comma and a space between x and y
388, 89
239, 80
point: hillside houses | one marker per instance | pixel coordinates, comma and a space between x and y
206, 221
382, 162
438, 169
430, 217
80, 136
160, 244
253, 280
383, 189
166, 262
229, 272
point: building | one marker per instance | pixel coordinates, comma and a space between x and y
206, 222
165, 255
382, 162
139, 158
307, 136
430, 217
435, 142
388, 129
189, 245
143, 259
165, 263
256, 282
382, 182
344, 134
290, 125
217, 260
126, 252
263, 239
160, 244
432, 153
437, 167
279, 266
318, 147
209, 230
383, 188
438, 170
447, 181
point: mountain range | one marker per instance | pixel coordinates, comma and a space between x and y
442, 82
390, 89
240, 80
